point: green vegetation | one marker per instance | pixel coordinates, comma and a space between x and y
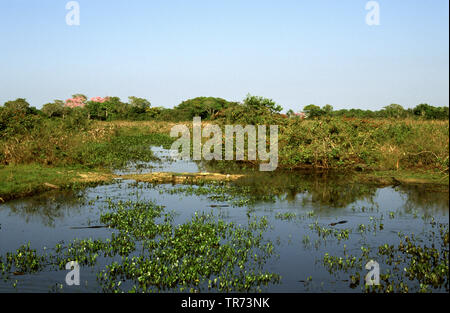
408, 263
148, 251
236, 195
409, 266
361, 145
37, 151
204, 253
75, 143
257, 110
421, 111
379, 144
69, 134
120, 150
205, 107
29, 179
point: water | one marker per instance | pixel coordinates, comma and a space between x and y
48, 219
165, 164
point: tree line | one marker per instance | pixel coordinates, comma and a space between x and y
422, 110
251, 109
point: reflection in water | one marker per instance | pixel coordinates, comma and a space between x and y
165, 163
317, 189
307, 190
49, 207
426, 198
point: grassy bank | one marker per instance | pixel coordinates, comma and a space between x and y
358, 144
26, 180
413, 151
384, 151
405, 177
54, 157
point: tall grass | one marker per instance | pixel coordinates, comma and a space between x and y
379, 144
331, 143
358, 144
52, 143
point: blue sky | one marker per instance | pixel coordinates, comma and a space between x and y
295, 52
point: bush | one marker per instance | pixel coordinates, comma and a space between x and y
17, 120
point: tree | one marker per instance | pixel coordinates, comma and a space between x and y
139, 105
81, 96
394, 110
19, 104
261, 103
54, 109
154, 112
430, 112
422, 109
313, 111
96, 110
327, 109
290, 113
213, 105
205, 107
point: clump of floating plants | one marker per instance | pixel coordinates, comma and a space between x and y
148, 252
222, 191
409, 266
288, 216
24, 260
408, 263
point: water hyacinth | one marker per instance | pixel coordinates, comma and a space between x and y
150, 253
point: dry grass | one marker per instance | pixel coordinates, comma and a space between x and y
146, 126
180, 178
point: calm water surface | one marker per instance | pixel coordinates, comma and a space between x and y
47, 219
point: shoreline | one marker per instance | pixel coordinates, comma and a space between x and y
21, 181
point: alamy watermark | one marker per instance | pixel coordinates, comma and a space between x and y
373, 16
212, 149
73, 16
73, 277
373, 276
